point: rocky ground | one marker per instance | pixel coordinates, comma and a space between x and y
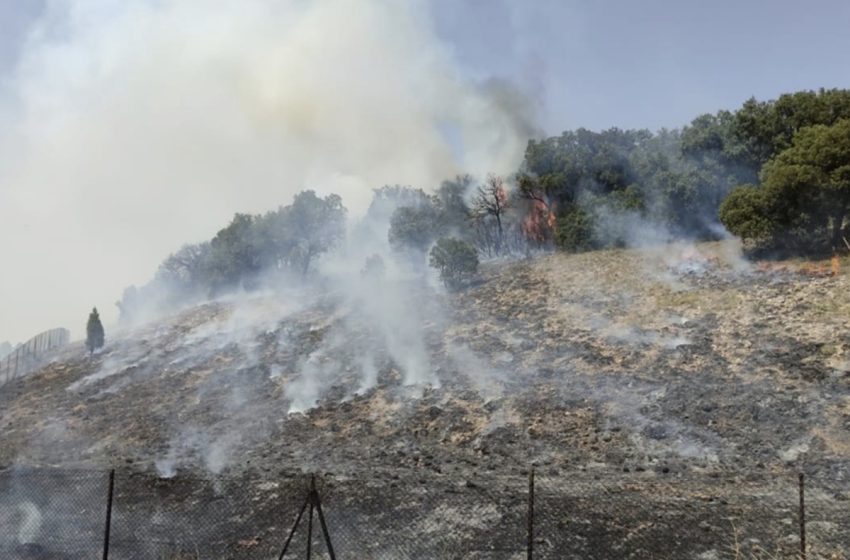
666, 398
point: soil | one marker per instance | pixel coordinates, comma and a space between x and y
666, 399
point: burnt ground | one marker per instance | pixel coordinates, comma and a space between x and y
666, 399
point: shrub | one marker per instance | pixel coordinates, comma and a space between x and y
456, 260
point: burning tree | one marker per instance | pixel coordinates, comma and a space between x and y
95, 336
489, 206
539, 224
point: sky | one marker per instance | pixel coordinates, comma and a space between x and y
131, 127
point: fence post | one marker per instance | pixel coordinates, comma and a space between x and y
108, 514
315, 497
530, 520
802, 517
292, 532
310, 519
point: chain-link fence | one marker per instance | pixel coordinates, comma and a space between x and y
69, 515
49, 514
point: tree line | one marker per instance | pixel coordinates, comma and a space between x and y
776, 173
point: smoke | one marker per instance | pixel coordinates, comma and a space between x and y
131, 127
30, 522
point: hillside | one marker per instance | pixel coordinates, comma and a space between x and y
684, 363
682, 357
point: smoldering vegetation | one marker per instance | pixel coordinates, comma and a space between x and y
644, 368
621, 372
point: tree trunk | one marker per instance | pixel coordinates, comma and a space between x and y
307, 258
499, 238
838, 230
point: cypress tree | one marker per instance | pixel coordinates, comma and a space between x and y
94, 332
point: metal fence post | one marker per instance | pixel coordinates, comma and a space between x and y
315, 497
802, 517
310, 519
294, 527
530, 520
108, 514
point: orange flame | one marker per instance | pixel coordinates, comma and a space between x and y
539, 222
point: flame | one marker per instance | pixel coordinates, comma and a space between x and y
836, 265
539, 222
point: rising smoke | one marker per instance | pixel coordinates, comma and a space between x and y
129, 127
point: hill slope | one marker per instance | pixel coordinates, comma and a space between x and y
671, 360
662, 395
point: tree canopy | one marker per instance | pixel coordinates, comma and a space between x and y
804, 196
456, 260
773, 172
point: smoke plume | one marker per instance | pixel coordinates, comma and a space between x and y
128, 128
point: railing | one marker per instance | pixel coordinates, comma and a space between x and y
31, 355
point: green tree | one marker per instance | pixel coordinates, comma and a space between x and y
235, 254
95, 336
414, 227
316, 226
804, 197
575, 230
456, 260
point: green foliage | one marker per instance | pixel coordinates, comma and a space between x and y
315, 225
418, 219
95, 336
628, 171
287, 239
757, 132
744, 214
414, 227
804, 198
456, 260
575, 230
678, 179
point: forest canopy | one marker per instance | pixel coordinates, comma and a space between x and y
776, 173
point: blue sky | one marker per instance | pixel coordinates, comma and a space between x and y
650, 63
626, 63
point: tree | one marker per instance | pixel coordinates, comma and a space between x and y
186, 268
575, 231
456, 260
804, 198
235, 254
450, 201
414, 227
317, 225
743, 214
490, 204
95, 337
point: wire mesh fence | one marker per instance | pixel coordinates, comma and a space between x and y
52, 514
62, 514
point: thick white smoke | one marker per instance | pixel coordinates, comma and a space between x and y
132, 126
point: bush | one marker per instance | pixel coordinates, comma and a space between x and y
575, 231
456, 260
743, 213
